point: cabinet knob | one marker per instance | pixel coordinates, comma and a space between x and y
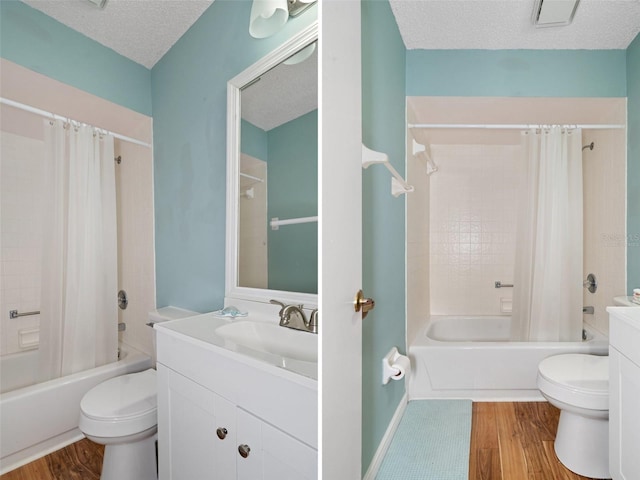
222, 433
244, 450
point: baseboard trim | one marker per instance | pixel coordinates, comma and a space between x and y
374, 466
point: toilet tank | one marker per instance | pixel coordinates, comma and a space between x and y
166, 314
624, 302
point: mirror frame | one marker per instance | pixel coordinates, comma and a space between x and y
234, 117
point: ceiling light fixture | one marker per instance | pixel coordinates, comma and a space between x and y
554, 13
269, 16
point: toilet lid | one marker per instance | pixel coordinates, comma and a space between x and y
124, 397
579, 372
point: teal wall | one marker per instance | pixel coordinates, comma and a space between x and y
30, 38
633, 165
517, 73
292, 172
253, 141
189, 88
383, 215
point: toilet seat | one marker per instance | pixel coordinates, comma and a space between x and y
120, 406
580, 380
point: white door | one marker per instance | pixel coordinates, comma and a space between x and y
340, 239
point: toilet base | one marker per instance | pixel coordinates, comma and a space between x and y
130, 461
582, 444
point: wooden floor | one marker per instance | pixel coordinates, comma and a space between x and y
509, 441
514, 441
79, 461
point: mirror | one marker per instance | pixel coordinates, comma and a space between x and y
272, 175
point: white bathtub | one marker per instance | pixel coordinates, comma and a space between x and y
471, 357
18, 370
39, 419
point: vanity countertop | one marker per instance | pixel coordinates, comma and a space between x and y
201, 330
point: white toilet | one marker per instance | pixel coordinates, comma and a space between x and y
121, 414
578, 384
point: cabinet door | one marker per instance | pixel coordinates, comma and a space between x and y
188, 418
624, 420
273, 454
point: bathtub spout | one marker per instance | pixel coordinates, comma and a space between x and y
588, 310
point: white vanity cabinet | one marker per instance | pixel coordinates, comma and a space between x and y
222, 416
274, 455
189, 417
624, 389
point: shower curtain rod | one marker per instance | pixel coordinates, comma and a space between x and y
509, 126
53, 116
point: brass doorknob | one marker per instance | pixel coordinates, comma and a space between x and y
364, 304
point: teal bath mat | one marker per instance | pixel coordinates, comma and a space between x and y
431, 442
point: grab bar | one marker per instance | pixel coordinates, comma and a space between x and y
499, 284
15, 314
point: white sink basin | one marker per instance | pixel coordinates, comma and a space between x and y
272, 338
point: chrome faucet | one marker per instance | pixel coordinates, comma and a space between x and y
313, 321
293, 316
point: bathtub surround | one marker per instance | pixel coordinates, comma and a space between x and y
22, 184
134, 197
485, 162
468, 230
604, 174
420, 449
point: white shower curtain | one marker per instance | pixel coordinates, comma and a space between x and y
78, 320
547, 296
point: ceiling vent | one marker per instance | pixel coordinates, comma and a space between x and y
99, 3
554, 13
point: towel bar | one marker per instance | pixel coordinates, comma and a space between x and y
15, 314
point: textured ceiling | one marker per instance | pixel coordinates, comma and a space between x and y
144, 30
282, 94
141, 30
506, 24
